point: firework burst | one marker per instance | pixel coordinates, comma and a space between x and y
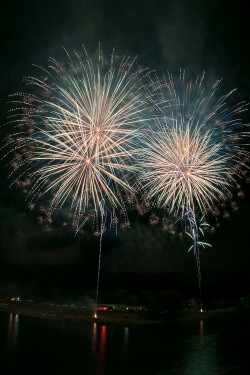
193, 152
75, 138
75, 132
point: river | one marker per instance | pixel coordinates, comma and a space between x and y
216, 346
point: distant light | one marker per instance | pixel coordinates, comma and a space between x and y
201, 310
95, 316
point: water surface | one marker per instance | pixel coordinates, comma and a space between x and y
215, 346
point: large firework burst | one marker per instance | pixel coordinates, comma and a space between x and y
76, 130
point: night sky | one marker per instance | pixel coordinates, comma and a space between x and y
210, 36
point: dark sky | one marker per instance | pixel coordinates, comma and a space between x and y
166, 35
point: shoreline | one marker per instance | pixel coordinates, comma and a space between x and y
52, 312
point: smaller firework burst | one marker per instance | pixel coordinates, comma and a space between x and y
194, 152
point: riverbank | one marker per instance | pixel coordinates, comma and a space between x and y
61, 312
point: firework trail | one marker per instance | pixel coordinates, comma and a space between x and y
193, 152
74, 135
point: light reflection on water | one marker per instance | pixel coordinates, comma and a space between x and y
99, 347
125, 341
12, 332
99, 343
200, 347
202, 356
